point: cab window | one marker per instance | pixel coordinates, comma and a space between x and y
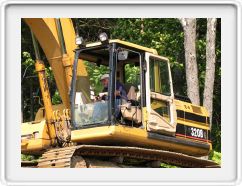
159, 76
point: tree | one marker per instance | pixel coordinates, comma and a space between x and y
189, 27
90, 28
210, 66
164, 35
209, 74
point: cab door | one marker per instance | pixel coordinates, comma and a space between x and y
160, 103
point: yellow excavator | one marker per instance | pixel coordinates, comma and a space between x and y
149, 123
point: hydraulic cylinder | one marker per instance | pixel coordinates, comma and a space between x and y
40, 69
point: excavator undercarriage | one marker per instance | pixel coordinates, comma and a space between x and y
86, 156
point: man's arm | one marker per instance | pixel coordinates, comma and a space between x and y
122, 92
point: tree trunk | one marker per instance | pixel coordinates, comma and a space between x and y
210, 66
189, 27
142, 26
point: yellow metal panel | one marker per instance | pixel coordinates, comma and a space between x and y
188, 107
150, 50
87, 134
132, 45
34, 144
130, 136
69, 37
40, 69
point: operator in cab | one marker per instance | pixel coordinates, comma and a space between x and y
120, 93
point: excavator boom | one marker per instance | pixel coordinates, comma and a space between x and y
45, 30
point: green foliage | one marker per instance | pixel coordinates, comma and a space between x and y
29, 157
132, 74
28, 81
165, 165
164, 35
215, 156
28, 67
216, 134
95, 72
56, 99
89, 29
31, 101
27, 59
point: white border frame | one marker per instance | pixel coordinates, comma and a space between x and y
235, 3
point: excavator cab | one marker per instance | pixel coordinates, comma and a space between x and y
148, 89
115, 59
147, 117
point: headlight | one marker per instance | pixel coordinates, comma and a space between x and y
103, 37
79, 40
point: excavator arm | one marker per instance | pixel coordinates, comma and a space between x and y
45, 31
51, 124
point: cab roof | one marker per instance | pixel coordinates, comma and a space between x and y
126, 43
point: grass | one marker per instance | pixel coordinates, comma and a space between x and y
215, 156
165, 165
29, 157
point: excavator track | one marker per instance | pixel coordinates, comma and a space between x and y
57, 158
62, 157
